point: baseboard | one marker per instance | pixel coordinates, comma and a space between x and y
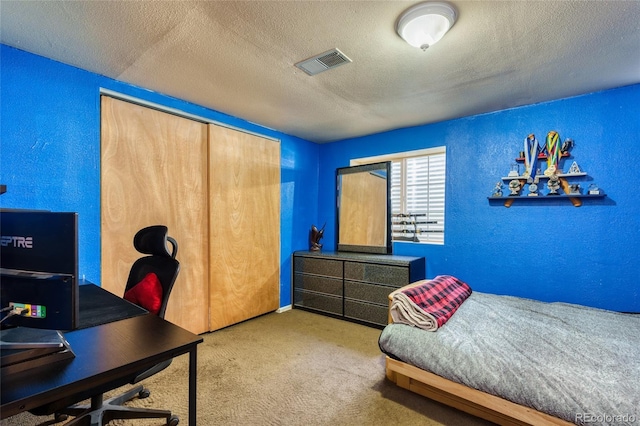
284, 309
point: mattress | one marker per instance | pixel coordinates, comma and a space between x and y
576, 363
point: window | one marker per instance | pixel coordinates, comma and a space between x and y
417, 194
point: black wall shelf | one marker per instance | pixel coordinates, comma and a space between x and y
560, 181
574, 198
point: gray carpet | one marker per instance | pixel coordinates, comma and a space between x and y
293, 368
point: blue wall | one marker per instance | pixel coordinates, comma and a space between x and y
50, 152
545, 250
50, 159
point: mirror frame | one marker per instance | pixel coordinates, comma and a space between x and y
383, 249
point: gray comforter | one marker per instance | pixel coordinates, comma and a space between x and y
576, 363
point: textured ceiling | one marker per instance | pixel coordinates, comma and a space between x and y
238, 57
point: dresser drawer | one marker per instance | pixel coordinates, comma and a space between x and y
367, 292
362, 311
317, 301
326, 267
318, 284
396, 276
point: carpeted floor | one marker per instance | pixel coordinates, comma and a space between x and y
293, 368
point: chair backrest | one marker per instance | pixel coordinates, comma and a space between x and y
152, 240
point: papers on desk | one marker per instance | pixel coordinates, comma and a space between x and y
30, 338
23, 348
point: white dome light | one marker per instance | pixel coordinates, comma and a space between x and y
424, 24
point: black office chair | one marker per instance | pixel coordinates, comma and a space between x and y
152, 241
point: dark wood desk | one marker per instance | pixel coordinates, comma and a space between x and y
99, 306
107, 356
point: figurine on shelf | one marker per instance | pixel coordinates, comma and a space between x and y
315, 236
514, 187
593, 189
574, 188
574, 169
566, 146
533, 187
497, 191
553, 185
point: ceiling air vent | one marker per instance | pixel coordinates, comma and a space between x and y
323, 62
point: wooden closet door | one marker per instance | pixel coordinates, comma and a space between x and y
154, 171
244, 226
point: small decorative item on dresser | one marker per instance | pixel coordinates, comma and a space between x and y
315, 236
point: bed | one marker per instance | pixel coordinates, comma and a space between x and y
516, 361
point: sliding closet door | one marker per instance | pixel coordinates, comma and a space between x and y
154, 171
244, 226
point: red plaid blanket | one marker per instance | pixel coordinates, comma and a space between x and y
431, 304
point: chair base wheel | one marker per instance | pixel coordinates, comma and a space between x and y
144, 393
59, 417
173, 421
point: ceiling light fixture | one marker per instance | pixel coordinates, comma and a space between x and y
425, 23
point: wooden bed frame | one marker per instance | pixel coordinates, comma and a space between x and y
461, 397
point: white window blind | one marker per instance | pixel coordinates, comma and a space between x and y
417, 194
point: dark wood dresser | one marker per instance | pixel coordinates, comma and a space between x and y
352, 286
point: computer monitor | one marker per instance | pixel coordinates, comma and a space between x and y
39, 268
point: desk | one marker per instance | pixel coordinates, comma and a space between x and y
107, 356
98, 306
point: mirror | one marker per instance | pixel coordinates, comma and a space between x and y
363, 208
